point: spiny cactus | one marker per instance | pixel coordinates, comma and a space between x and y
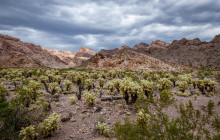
50, 125
28, 133
89, 98
103, 129
148, 87
182, 85
101, 82
128, 89
68, 85
89, 84
164, 83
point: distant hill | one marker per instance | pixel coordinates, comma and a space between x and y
15, 53
160, 55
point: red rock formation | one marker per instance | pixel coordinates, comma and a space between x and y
15, 53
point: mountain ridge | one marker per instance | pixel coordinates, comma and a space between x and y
15, 53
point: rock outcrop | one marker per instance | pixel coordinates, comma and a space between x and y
192, 53
177, 55
15, 53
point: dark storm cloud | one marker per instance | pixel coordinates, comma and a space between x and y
98, 24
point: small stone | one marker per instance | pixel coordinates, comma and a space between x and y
65, 117
128, 113
193, 92
98, 108
71, 136
203, 107
84, 111
73, 120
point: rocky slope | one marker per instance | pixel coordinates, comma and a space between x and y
15, 53
128, 59
160, 55
192, 53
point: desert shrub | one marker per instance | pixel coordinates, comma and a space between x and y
3, 92
195, 82
116, 83
50, 125
173, 79
29, 93
159, 126
148, 87
185, 77
72, 100
142, 119
101, 82
28, 133
182, 85
89, 98
184, 94
68, 85
58, 79
211, 106
130, 89
54, 88
89, 84
164, 83
103, 129
110, 86
166, 96
206, 85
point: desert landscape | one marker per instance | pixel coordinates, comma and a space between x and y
109, 70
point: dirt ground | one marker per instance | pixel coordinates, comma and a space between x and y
83, 118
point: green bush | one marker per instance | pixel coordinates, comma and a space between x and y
28, 133
130, 89
68, 85
3, 92
50, 125
101, 82
164, 83
89, 98
148, 87
72, 100
103, 129
89, 84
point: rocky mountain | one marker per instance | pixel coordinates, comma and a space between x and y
129, 59
15, 53
160, 55
192, 53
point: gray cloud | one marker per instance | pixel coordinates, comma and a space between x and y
98, 24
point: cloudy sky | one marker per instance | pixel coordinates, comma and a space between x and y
107, 24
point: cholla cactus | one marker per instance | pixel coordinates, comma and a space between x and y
89, 98
89, 84
110, 86
54, 88
3, 92
128, 88
143, 117
58, 79
212, 86
101, 82
50, 125
164, 83
148, 87
68, 85
182, 85
185, 77
72, 100
28, 133
195, 82
103, 129
116, 83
